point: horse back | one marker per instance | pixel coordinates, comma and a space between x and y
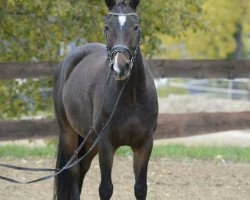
63, 72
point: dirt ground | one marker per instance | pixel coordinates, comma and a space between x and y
167, 179
237, 138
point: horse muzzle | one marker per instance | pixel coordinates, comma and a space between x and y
120, 73
121, 63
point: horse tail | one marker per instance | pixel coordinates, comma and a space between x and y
59, 161
64, 183
60, 181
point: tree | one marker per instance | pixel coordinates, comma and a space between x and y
226, 35
37, 30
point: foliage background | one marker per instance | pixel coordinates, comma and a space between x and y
42, 30
227, 33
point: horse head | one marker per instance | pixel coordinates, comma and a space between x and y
122, 31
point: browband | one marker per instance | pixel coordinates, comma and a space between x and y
122, 14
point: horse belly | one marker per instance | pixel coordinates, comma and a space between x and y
77, 108
78, 92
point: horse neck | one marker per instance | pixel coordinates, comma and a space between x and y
136, 87
137, 77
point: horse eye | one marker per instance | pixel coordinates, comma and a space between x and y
106, 28
137, 28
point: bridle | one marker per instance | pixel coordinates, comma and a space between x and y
130, 54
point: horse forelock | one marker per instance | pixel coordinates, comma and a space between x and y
122, 7
122, 4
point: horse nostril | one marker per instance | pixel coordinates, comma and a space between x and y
112, 67
113, 70
127, 66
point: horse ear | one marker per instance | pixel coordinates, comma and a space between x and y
134, 3
110, 3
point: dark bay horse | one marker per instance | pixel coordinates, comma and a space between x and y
80, 84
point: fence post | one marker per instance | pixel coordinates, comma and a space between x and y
168, 87
230, 89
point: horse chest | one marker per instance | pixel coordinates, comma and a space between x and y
131, 125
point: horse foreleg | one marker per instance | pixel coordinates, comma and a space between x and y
67, 183
106, 156
141, 157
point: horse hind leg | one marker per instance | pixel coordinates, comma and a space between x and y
86, 162
67, 183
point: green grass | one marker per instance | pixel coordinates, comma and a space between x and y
163, 92
23, 151
174, 151
178, 151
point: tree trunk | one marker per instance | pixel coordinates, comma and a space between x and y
238, 55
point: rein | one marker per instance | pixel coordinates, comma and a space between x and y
71, 163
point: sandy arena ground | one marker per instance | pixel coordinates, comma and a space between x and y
167, 179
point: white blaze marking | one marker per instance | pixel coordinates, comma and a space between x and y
122, 20
115, 66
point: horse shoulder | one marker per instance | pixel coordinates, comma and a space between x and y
77, 55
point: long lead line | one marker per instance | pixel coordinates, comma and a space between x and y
69, 163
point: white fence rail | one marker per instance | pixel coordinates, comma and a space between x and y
232, 89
